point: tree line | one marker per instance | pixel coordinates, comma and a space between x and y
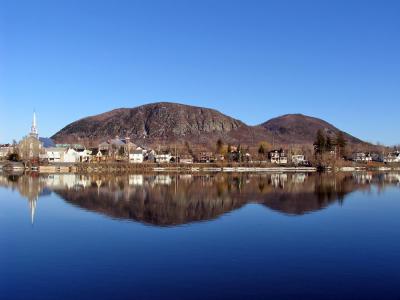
325, 143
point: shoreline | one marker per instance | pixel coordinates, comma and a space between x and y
87, 168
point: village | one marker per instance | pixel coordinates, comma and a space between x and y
33, 153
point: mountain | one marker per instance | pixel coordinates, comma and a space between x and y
301, 129
166, 123
152, 123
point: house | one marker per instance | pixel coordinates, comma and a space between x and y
186, 159
247, 157
71, 156
206, 157
163, 158
118, 148
393, 157
62, 155
128, 145
150, 155
362, 157
278, 157
136, 156
99, 155
104, 146
298, 159
5, 151
84, 155
102, 152
54, 154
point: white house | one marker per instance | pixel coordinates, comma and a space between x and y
71, 156
362, 157
186, 159
278, 157
393, 157
55, 154
136, 156
150, 154
84, 155
163, 158
298, 159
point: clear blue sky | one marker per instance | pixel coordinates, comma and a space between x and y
253, 60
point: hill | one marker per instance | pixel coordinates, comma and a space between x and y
165, 123
161, 122
301, 129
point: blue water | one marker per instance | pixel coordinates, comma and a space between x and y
345, 250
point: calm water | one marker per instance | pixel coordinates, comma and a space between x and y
221, 236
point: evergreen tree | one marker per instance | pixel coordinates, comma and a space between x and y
328, 144
341, 143
239, 153
320, 142
219, 146
261, 150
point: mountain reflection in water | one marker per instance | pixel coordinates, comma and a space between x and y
173, 199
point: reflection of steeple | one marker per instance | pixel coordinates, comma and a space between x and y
32, 207
34, 131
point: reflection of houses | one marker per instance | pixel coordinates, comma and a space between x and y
363, 178
278, 157
299, 178
194, 197
135, 180
162, 180
59, 181
30, 147
393, 178
278, 180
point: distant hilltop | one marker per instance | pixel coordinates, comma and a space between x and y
168, 123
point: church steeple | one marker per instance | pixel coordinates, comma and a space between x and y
34, 131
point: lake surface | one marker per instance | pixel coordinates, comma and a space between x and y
193, 236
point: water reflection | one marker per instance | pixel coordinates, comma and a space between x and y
173, 199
